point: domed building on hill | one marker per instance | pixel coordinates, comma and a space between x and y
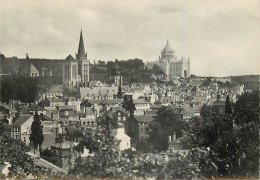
170, 65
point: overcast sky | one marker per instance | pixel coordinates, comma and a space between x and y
220, 37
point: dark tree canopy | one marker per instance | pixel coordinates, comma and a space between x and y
14, 152
36, 136
228, 106
167, 121
157, 70
18, 87
232, 139
128, 104
170, 119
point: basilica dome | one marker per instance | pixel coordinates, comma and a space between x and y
168, 49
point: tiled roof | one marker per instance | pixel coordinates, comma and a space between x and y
151, 112
194, 109
8, 107
105, 101
56, 89
156, 106
70, 58
30, 68
55, 100
98, 91
219, 103
146, 118
21, 120
114, 109
140, 101
89, 111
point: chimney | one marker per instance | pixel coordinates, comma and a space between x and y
170, 138
174, 136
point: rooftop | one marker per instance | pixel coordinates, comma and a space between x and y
22, 119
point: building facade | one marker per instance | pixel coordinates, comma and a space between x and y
170, 65
76, 71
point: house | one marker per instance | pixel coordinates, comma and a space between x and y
119, 115
96, 84
98, 92
88, 118
8, 112
142, 128
73, 102
174, 144
137, 90
199, 95
30, 70
122, 139
68, 115
21, 128
33, 108
52, 113
167, 101
55, 102
54, 91
50, 131
141, 107
99, 104
190, 111
219, 106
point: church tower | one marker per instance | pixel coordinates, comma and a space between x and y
81, 50
83, 69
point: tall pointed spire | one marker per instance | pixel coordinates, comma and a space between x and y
81, 50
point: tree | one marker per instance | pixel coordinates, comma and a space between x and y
108, 163
159, 138
246, 113
21, 88
106, 121
167, 122
228, 107
143, 146
232, 139
129, 105
170, 120
157, 70
22, 165
36, 136
194, 164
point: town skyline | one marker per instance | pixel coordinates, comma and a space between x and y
214, 37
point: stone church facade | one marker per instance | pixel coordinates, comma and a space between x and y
70, 72
170, 65
76, 71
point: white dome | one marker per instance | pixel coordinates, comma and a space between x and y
168, 49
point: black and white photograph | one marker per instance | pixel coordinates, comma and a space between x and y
129, 90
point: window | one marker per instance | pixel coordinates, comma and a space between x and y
124, 118
119, 118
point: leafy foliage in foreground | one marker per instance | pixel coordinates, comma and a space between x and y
106, 161
231, 138
14, 152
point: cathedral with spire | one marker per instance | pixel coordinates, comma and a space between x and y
170, 64
76, 71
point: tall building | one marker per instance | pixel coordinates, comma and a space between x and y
76, 71
170, 64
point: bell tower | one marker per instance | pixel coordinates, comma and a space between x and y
83, 69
